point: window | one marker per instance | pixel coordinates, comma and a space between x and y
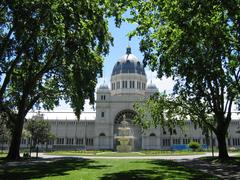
69, 140
79, 141
138, 85
174, 131
102, 114
60, 140
124, 84
50, 142
102, 134
238, 104
195, 126
196, 140
89, 141
143, 86
236, 141
23, 141
113, 86
166, 142
118, 85
186, 141
103, 97
176, 141
152, 134
132, 84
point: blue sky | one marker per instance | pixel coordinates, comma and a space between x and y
120, 44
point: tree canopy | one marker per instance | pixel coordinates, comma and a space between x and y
197, 43
40, 131
49, 50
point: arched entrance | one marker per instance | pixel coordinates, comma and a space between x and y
135, 130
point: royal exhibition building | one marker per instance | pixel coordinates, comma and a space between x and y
114, 110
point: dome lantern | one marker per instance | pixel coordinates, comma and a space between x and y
128, 50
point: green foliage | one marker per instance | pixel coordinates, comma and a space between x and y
160, 109
197, 44
170, 111
39, 130
194, 145
50, 50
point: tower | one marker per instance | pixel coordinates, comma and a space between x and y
128, 86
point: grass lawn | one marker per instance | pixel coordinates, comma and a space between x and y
120, 154
102, 169
3, 154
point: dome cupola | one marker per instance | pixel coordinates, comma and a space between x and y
128, 63
151, 86
151, 89
128, 75
103, 86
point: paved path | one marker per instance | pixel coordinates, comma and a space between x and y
178, 158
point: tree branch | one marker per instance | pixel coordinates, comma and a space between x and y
11, 69
5, 42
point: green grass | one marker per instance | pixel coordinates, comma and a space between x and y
2, 154
120, 154
82, 169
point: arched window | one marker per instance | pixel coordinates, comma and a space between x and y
129, 114
102, 140
152, 135
102, 134
152, 141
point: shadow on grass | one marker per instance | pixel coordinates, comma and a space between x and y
161, 169
229, 161
224, 169
44, 168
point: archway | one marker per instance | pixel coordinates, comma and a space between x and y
135, 130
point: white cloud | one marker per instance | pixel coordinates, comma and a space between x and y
164, 84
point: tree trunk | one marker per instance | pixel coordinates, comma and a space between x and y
14, 150
222, 146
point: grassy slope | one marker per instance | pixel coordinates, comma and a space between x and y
102, 169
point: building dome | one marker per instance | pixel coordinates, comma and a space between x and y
151, 86
103, 86
128, 63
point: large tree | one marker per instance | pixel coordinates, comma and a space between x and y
198, 44
49, 50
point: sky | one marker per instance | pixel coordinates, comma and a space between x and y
121, 42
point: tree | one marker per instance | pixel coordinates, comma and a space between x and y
194, 145
49, 50
39, 130
198, 44
4, 130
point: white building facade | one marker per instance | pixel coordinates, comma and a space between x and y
98, 130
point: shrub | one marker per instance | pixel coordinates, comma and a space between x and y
194, 145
